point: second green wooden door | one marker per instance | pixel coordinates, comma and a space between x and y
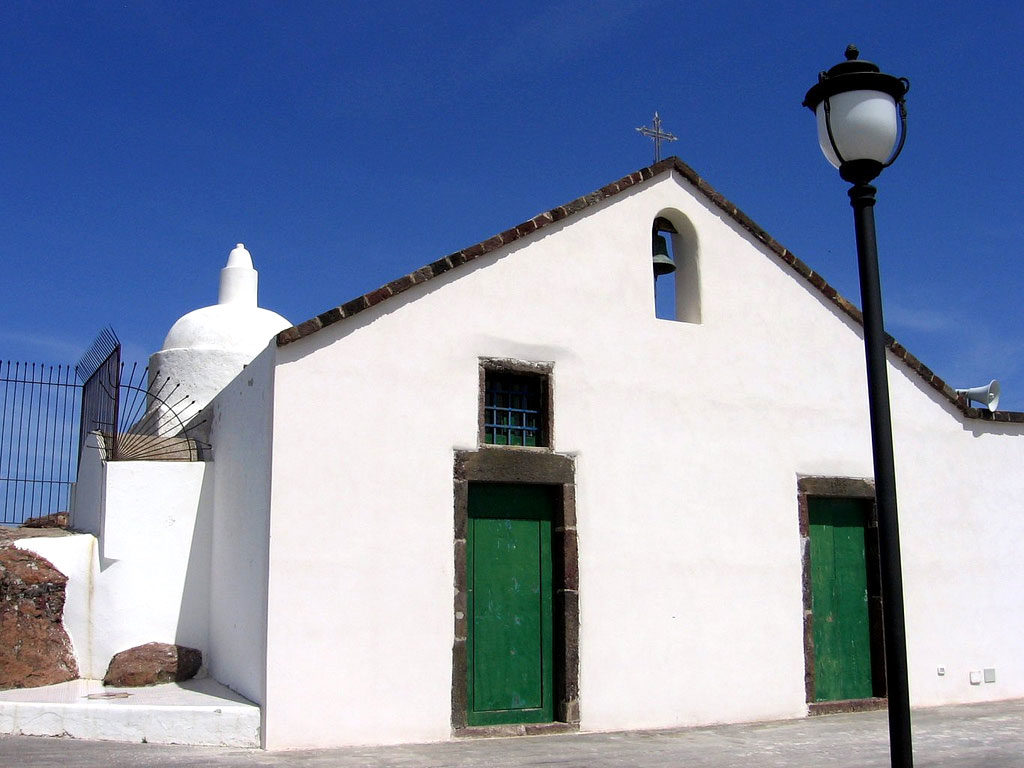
840, 601
509, 646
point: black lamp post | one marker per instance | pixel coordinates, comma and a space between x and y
861, 114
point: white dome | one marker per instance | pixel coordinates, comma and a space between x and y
208, 347
231, 327
235, 323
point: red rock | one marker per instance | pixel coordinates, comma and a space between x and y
153, 663
56, 520
34, 648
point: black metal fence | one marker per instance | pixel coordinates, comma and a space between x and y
44, 419
46, 415
133, 411
39, 438
100, 369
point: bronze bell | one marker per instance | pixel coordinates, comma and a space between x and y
663, 264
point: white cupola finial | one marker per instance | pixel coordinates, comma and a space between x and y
207, 347
238, 279
240, 257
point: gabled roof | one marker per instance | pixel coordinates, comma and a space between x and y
457, 259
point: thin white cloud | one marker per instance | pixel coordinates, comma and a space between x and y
561, 31
927, 320
965, 350
32, 346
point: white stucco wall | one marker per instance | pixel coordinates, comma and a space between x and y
146, 578
240, 433
961, 525
688, 441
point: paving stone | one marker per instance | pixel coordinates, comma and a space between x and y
965, 736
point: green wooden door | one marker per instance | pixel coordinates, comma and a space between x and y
509, 644
839, 599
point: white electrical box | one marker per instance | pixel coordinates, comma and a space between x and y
990, 675
940, 671
976, 677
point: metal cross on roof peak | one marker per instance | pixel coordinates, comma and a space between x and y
657, 134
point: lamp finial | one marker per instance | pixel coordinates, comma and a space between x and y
852, 52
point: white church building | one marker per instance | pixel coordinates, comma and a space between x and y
500, 495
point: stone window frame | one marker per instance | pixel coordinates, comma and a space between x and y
543, 371
847, 488
497, 464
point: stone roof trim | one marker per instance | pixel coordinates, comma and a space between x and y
458, 258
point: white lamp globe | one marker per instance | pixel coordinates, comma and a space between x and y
860, 115
865, 126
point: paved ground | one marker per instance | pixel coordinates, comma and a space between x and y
970, 736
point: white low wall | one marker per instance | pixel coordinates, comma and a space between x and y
146, 578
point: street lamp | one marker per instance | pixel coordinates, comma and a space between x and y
861, 116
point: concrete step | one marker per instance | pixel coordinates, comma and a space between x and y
200, 712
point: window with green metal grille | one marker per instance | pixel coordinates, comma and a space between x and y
514, 409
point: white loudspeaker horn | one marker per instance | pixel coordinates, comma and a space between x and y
987, 396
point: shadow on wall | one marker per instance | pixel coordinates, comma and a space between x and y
194, 611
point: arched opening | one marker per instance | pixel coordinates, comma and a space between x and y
676, 291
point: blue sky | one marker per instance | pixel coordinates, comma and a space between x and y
347, 144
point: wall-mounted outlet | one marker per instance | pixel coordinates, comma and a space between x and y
975, 677
990, 675
940, 671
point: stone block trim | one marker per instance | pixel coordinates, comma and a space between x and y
501, 464
851, 705
668, 165
848, 487
544, 371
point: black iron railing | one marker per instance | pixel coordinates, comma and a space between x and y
46, 416
100, 370
139, 416
39, 423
